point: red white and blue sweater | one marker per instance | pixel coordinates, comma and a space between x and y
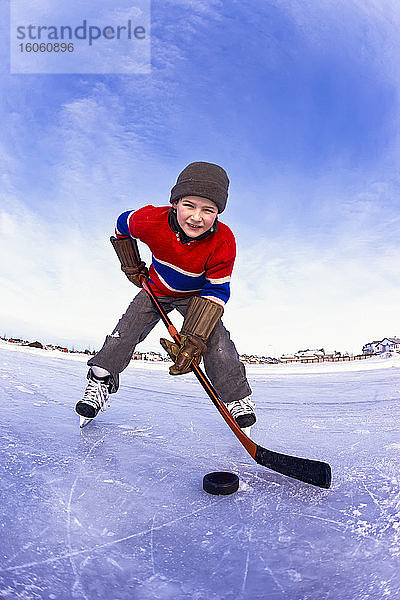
197, 267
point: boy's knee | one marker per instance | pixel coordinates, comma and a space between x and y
220, 341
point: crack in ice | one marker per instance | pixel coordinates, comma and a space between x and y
78, 583
108, 544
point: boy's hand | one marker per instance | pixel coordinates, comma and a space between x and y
190, 349
201, 317
133, 273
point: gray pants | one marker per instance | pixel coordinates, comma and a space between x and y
221, 361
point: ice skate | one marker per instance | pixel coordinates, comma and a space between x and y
95, 398
243, 413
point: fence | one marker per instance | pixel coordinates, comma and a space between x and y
319, 359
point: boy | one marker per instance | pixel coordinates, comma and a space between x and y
192, 261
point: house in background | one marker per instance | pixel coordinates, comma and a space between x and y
371, 347
389, 345
310, 353
385, 345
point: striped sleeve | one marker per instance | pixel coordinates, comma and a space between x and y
218, 273
124, 224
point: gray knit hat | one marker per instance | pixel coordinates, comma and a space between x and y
202, 179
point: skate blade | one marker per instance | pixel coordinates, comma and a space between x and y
83, 421
247, 430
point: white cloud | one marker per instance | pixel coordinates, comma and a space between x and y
59, 278
334, 287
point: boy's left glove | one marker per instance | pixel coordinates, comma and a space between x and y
201, 318
129, 257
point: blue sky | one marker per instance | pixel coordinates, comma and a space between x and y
297, 100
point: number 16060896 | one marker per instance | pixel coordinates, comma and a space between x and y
49, 47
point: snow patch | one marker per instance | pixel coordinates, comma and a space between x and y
294, 575
394, 446
245, 487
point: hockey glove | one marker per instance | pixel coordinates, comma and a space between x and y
201, 317
130, 261
190, 349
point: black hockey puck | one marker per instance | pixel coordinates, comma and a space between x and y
220, 482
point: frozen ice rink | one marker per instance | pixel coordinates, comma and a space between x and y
116, 511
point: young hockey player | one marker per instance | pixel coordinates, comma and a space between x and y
193, 254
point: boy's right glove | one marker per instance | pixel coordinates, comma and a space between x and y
201, 317
130, 261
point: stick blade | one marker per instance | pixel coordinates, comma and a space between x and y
310, 471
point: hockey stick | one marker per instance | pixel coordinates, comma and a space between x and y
310, 471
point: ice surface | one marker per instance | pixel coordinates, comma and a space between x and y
116, 510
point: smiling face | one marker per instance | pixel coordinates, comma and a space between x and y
195, 214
